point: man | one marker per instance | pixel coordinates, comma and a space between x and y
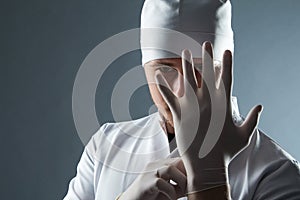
219, 155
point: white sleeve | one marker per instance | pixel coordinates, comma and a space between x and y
281, 183
81, 186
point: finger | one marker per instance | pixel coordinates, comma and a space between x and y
166, 188
179, 192
163, 162
179, 165
177, 162
208, 76
190, 83
161, 197
227, 73
172, 173
252, 120
165, 91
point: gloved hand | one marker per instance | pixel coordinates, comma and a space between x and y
207, 137
155, 183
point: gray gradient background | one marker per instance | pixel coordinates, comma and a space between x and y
44, 42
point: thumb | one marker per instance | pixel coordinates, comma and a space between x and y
252, 120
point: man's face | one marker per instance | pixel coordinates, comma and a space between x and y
171, 69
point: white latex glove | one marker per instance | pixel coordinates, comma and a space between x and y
154, 183
207, 137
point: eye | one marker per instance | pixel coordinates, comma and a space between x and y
166, 69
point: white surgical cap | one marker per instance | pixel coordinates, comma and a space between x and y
169, 26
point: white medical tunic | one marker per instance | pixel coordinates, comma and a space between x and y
118, 152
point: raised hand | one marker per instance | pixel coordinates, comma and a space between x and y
206, 135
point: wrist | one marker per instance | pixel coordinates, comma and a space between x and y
194, 166
206, 178
219, 192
